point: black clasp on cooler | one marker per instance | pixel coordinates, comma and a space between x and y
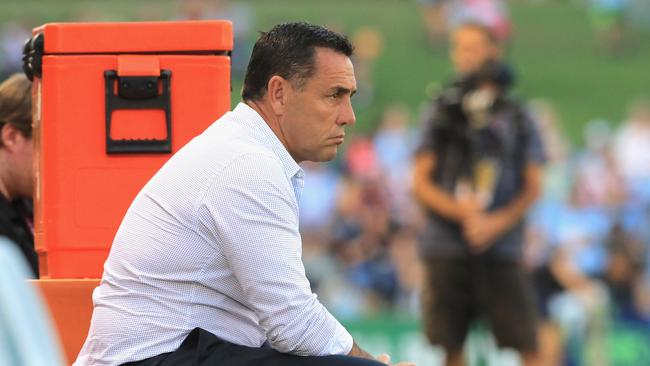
138, 92
33, 56
138, 87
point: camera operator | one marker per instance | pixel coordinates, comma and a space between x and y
477, 172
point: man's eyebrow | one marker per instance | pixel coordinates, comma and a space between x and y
343, 90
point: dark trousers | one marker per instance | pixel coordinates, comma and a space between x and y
202, 348
459, 291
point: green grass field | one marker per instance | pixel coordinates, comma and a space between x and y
553, 50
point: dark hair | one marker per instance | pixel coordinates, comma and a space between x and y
16, 104
288, 50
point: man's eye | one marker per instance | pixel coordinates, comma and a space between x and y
334, 96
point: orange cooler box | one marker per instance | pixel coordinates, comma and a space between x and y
113, 102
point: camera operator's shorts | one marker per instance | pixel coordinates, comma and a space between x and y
459, 291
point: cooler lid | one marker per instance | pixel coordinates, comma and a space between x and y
137, 37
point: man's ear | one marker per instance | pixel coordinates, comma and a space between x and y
278, 89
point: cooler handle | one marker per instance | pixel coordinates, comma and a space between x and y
138, 92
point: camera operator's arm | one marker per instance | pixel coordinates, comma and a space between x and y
482, 229
428, 193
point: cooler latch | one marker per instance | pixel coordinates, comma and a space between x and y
138, 83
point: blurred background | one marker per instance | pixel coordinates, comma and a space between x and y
583, 66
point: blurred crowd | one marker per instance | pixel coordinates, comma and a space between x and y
613, 22
360, 223
588, 242
14, 33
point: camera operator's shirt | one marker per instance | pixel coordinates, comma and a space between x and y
212, 242
509, 140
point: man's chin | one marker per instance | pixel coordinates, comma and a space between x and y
326, 155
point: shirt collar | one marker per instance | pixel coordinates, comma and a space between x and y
254, 120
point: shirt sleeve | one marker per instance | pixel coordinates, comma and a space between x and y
431, 129
534, 149
252, 205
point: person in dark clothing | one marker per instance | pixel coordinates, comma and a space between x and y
477, 172
16, 172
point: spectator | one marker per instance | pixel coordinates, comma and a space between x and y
403, 252
16, 172
632, 149
570, 297
556, 171
609, 23
12, 38
368, 45
434, 14
624, 275
393, 143
318, 199
539, 251
598, 171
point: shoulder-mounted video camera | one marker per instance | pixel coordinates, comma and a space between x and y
474, 94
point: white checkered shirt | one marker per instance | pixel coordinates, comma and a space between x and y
212, 241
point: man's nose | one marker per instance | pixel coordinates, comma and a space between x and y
346, 113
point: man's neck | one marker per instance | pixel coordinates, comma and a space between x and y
265, 111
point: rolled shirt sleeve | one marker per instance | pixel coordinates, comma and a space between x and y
534, 149
255, 215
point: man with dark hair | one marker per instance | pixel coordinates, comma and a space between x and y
206, 266
288, 51
16, 172
476, 173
